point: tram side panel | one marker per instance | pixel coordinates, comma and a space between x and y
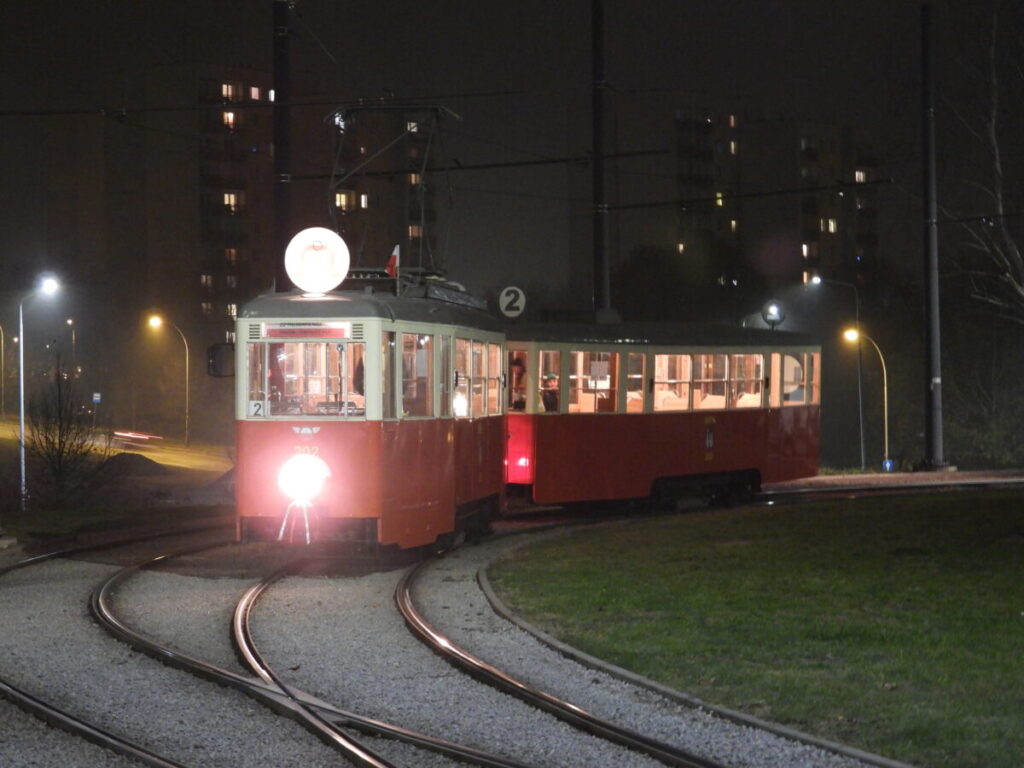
416, 466
580, 457
793, 443
479, 456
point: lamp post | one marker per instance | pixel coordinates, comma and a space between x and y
155, 321
3, 376
854, 334
48, 286
817, 280
71, 323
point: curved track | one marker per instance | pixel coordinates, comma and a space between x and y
564, 710
323, 720
60, 718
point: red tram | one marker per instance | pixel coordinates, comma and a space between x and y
402, 417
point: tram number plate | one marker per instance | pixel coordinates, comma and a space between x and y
257, 408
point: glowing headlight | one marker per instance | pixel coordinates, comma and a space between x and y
302, 476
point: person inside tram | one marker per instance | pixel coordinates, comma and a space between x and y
549, 394
517, 384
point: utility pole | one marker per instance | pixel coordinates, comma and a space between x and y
282, 137
933, 395
602, 270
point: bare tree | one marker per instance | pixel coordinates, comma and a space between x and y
995, 263
66, 449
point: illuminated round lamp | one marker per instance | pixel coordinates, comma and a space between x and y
302, 477
316, 260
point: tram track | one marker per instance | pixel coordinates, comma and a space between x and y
61, 717
323, 720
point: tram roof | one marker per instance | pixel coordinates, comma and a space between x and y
418, 304
657, 334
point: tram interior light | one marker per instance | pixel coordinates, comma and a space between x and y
302, 477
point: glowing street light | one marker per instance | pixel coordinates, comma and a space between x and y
155, 321
47, 286
854, 335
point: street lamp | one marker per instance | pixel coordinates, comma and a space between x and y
71, 323
47, 286
3, 376
817, 280
854, 335
155, 321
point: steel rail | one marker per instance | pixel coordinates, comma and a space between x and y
564, 710
246, 646
60, 718
268, 695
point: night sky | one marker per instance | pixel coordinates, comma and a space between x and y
518, 75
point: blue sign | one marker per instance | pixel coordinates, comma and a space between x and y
888, 465
96, 397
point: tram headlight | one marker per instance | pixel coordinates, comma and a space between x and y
302, 476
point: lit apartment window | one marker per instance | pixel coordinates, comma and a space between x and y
362, 149
734, 225
234, 201
719, 199
270, 95
860, 177
414, 179
805, 250
206, 281
344, 200
231, 310
254, 92
229, 119
681, 247
833, 225
732, 121
231, 255
806, 277
734, 147
228, 92
412, 126
415, 230
364, 201
231, 281
206, 307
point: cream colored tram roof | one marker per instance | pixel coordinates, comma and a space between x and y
657, 334
367, 304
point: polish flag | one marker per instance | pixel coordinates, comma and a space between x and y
392, 267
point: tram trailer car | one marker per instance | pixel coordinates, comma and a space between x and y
626, 411
393, 403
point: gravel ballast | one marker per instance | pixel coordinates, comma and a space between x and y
338, 638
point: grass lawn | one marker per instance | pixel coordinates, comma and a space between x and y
892, 624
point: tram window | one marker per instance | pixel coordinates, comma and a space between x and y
493, 379
257, 402
417, 374
445, 378
478, 377
634, 382
460, 385
710, 380
550, 366
672, 376
814, 376
794, 389
518, 379
306, 379
746, 381
387, 375
593, 382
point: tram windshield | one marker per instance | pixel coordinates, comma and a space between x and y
307, 379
